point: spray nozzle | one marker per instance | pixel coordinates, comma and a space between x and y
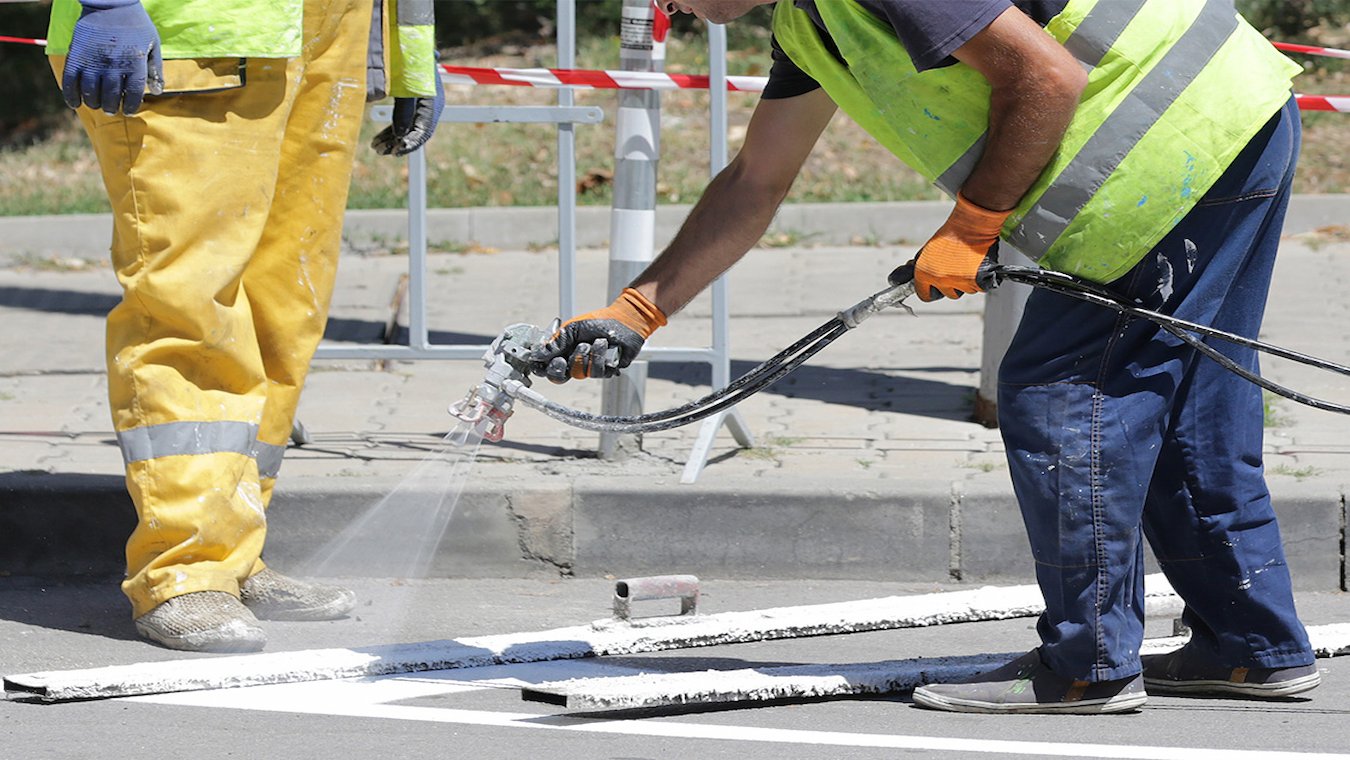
487, 406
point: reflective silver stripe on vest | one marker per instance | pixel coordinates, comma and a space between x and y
1089, 43
269, 459
1124, 128
416, 13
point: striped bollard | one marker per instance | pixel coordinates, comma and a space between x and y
632, 228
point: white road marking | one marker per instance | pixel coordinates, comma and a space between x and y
602, 638
359, 699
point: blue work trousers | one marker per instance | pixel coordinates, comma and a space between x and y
1116, 430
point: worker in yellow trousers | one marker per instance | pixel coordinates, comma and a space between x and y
225, 132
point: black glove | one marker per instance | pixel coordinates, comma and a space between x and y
414, 122
599, 343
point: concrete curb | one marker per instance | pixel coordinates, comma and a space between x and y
68, 525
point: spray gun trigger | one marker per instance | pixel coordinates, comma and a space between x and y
612, 361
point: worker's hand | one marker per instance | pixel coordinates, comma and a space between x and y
114, 57
579, 348
414, 122
962, 255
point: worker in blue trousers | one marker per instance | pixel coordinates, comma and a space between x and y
226, 132
1148, 145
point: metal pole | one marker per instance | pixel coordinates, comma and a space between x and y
418, 335
717, 160
1003, 308
567, 166
721, 308
632, 228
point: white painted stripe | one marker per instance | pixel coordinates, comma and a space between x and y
1330, 640
763, 684
319, 704
649, 690
601, 638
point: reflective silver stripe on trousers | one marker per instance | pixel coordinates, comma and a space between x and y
189, 438
269, 459
1124, 128
1088, 43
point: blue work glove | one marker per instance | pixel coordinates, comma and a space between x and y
114, 57
414, 122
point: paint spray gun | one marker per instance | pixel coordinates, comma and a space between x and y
484, 411
489, 404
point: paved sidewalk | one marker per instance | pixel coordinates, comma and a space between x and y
866, 464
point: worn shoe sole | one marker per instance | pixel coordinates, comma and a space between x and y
1119, 703
1229, 688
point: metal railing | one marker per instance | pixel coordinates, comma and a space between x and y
566, 114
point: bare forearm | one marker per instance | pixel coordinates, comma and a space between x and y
740, 202
1035, 89
725, 223
1025, 130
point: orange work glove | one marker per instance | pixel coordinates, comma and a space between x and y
582, 346
961, 256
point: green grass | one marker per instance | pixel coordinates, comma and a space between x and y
769, 448
1295, 472
1270, 413
515, 164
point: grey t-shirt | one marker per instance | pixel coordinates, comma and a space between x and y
930, 30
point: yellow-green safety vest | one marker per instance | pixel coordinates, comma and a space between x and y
269, 29
1176, 89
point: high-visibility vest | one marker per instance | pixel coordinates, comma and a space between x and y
270, 29
1176, 89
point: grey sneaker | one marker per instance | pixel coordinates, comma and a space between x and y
1181, 672
1026, 685
273, 596
203, 621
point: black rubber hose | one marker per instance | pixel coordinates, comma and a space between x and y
792, 357
752, 382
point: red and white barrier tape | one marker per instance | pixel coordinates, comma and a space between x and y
644, 80
1337, 103
590, 78
1290, 47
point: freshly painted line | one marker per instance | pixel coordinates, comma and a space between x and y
1330, 640
651, 690
322, 702
648, 690
601, 638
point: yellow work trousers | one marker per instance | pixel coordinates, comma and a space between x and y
227, 199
